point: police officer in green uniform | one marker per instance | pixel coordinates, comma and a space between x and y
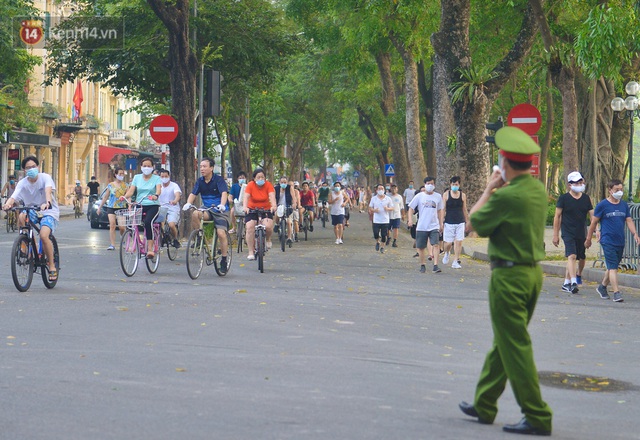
513, 216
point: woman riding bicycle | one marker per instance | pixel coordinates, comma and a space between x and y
259, 194
38, 189
147, 187
115, 190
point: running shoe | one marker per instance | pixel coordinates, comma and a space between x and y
602, 291
617, 297
111, 248
251, 257
394, 244
337, 241
377, 247
176, 243
223, 264
566, 288
456, 265
382, 250
436, 269
416, 255
574, 288
423, 268
445, 259
340, 240
579, 280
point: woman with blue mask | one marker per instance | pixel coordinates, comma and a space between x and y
259, 194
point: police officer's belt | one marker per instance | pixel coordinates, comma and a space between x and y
507, 264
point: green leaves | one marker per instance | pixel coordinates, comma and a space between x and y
472, 81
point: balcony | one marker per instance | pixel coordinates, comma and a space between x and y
120, 138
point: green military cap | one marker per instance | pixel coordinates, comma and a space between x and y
516, 145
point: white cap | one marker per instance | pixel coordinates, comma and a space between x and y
296, 183
77, 181
574, 176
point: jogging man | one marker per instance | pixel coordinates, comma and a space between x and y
396, 215
430, 210
456, 217
380, 207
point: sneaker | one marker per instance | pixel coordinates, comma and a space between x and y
176, 243
436, 269
223, 264
269, 245
111, 248
579, 280
602, 291
377, 247
429, 258
310, 228
289, 241
337, 241
456, 265
340, 240
567, 288
394, 244
445, 259
276, 229
232, 231
251, 257
382, 250
617, 297
423, 268
416, 255
388, 240
574, 288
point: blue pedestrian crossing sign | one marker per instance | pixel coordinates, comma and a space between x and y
356, 173
388, 170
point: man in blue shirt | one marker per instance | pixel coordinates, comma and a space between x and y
213, 191
612, 213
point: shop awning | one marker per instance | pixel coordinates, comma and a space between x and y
106, 154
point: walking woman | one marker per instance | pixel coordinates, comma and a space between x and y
115, 190
148, 187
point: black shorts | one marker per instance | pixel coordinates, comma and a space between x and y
380, 230
574, 246
114, 211
253, 216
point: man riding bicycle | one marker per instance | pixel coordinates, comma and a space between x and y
170, 194
286, 199
323, 197
307, 203
78, 195
214, 191
38, 189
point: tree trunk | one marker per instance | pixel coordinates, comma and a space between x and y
182, 67
412, 112
388, 105
546, 140
426, 94
444, 127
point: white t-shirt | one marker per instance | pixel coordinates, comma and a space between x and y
409, 193
398, 205
167, 194
336, 205
34, 194
382, 216
427, 206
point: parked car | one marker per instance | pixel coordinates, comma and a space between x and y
98, 221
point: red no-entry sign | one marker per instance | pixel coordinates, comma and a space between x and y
526, 117
164, 129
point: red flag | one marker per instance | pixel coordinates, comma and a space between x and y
77, 99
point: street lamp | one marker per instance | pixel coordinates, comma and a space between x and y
630, 107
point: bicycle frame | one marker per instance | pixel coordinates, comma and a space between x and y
201, 244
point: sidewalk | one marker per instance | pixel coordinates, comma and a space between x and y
556, 263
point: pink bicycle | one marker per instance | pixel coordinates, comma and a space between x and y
133, 245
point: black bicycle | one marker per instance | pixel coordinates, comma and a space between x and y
28, 256
283, 229
240, 232
260, 233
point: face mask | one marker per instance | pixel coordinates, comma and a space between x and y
164, 180
578, 188
32, 173
146, 170
410, 186
120, 177
387, 188
380, 192
429, 187
260, 182
455, 188
617, 195
77, 184
336, 189
283, 185
11, 182
242, 181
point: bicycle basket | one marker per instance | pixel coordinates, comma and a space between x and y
132, 217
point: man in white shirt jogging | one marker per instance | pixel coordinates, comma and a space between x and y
430, 222
380, 207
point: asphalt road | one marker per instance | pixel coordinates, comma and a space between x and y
331, 342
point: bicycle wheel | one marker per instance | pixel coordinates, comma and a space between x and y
45, 265
323, 217
305, 226
22, 263
129, 253
240, 234
260, 247
283, 233
217, 255
7, 220
195, 254
153, 263
172, 252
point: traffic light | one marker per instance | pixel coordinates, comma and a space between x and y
213, 93
493, 126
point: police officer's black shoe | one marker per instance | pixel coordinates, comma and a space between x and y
524, 427
469, 410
